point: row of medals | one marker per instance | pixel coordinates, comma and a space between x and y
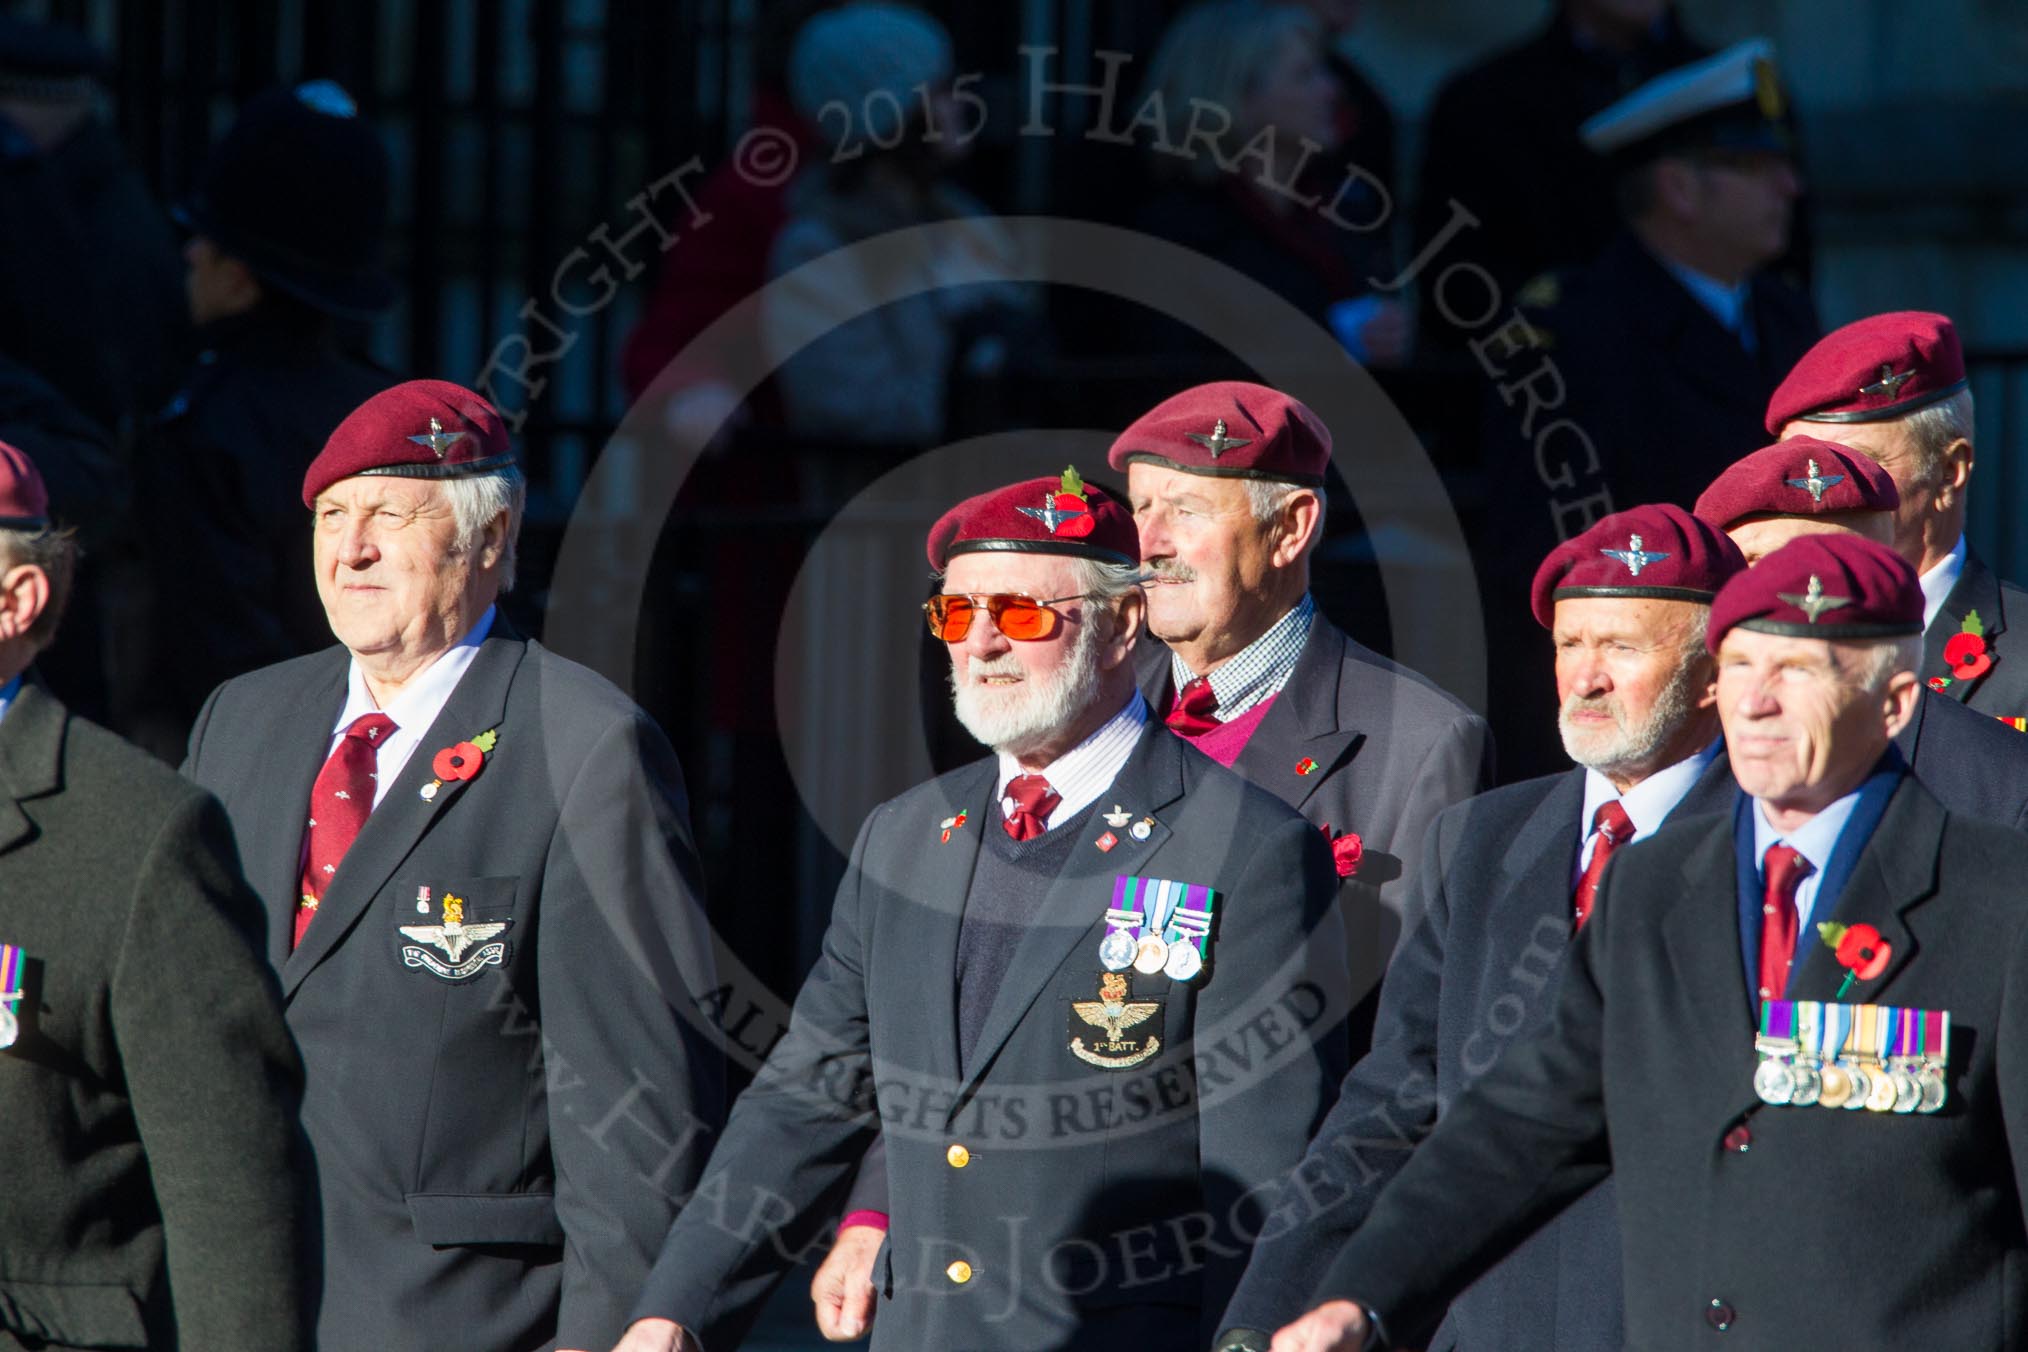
1151, 954
1906, 1084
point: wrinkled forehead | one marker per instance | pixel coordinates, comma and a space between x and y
1041, 576
364, 492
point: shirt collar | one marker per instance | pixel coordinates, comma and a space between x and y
1649, 803
1082, 773
424, 697
1726, 303
1939, 581
8, 693
1258, 670
1815, 839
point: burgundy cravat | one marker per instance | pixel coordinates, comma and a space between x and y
1196, 705
1034, 800
1614, 829
1784, 868
340, 802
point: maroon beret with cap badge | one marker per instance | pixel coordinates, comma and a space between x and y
1822, 586
1800, 476
420, 429
1657, 551
1064, 515
1231, 429
1879, 367
24, 500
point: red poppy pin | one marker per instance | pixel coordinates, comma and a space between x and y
1861, 952
1306, 766
1346, 849
460, 762
950, 824
1966, 653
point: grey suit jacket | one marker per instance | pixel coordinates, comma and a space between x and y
1791, 1227
155, 1177
1390, 750
2003, 690
1091, 1206
501, 1147
1478, 968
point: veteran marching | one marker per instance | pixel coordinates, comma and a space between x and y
1090, 988
1837, 930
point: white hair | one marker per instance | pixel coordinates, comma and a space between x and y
476, 501
1267, 498
1933, 429
1878, 663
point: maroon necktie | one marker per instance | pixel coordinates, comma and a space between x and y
1034, 800
339, 804
1614, 829
1196, 705
1784, 868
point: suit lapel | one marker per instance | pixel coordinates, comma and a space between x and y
31, 759
295, 745
1539, 859
479, 702
1701, 933
1896, 872
1073, 913
1976, 589
937, 912
1303, 724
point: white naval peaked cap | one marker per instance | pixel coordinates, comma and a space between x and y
1741, 77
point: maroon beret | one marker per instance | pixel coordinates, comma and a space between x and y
24, 501
1823, 586
1658, 551
1064, 515
1879, 367
1231, 429
420, 429
1801, 476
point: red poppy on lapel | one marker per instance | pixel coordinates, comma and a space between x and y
1860, 950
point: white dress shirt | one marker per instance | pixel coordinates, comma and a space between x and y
1647, 804
1085, 771
1815, 839
1938, 582
413, 710
1727, 304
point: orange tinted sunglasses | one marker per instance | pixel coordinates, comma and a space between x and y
1021, 618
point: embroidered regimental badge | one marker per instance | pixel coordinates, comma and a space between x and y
1111, 1015
455, 939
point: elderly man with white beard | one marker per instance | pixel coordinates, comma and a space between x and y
1506, 882
1090, 990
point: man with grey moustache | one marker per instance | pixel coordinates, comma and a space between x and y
1090, 990
1506, 881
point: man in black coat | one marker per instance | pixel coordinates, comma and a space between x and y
287, 223
483, 908
1078, 1096
1853, 1175
1501, 875
156, 1176
1367, 750
1893, 387
1802, 486
1639, 376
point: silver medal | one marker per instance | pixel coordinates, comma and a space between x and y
1774, 1081
10, 1027
1184, 962
1116, 951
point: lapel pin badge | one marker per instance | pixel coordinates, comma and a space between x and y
1142, 829
1106, 842
1306, 766
1119, 816
950, 824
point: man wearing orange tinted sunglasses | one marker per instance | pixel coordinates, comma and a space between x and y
973, 960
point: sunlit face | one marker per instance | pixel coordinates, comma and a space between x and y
1630, 671
1891, 446
1295, 95
1800, 729
393, 581
1758, 537
1014, 696
1213, 563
